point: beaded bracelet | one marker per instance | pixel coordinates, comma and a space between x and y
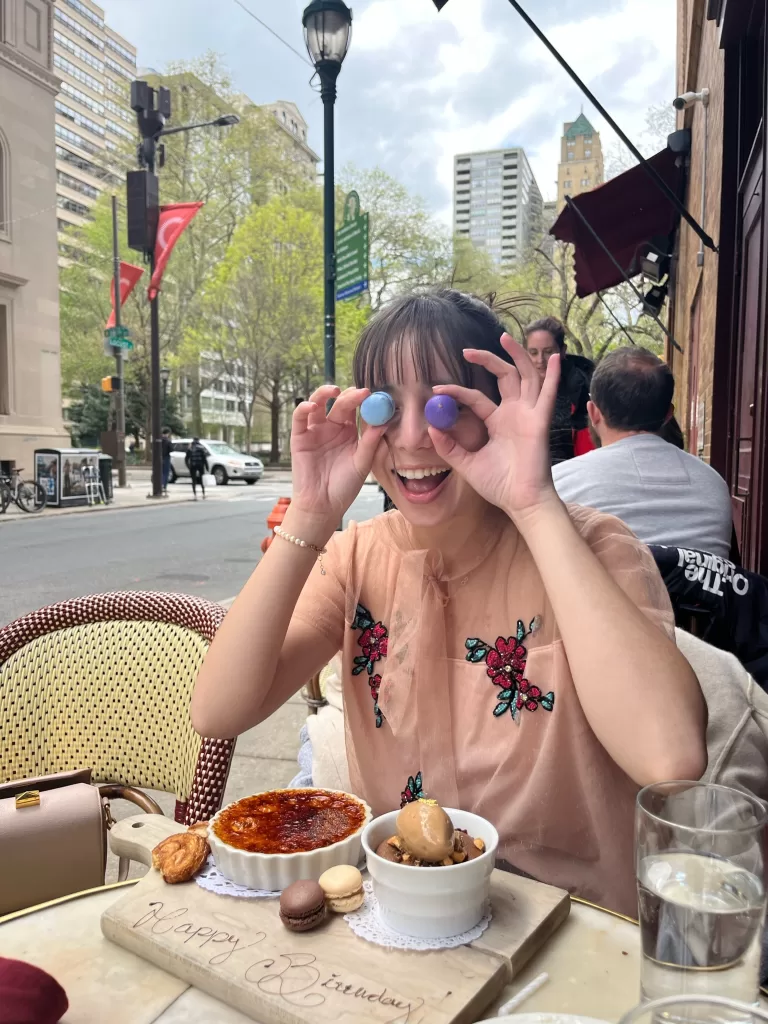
284, 535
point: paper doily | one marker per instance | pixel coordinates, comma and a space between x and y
210, 878
366, 923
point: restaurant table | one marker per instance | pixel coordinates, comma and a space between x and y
593, 962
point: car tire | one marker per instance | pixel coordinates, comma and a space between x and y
220, 475
250, 482
172, 476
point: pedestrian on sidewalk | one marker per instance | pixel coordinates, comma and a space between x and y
166, 445
197, 463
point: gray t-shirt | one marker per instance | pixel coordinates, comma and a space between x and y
663, 494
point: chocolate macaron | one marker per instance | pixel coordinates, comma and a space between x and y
302, 906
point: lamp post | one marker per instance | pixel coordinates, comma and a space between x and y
153, 109
165, 376
327, 30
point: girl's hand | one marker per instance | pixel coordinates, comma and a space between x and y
512, 470
329, 461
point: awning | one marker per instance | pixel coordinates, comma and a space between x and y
627, 211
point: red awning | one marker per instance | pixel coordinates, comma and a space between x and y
627, 211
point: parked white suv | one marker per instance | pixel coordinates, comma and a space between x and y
224, 462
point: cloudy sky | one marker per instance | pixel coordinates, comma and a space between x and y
418, 86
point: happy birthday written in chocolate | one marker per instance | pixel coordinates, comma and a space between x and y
293, 977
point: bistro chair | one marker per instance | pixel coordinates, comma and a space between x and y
105, 682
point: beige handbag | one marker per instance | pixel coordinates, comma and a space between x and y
53, 836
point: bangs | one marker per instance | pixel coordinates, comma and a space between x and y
431, 331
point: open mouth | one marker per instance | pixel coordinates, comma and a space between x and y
421, 485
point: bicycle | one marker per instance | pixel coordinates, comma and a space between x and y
28, 495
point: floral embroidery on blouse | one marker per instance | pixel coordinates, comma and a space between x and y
373, 639
413, 790
505, 664
375, 684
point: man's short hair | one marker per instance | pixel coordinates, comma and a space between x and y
633, 389
551, 325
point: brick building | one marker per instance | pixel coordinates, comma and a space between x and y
718, 309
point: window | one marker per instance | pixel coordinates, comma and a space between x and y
78, 29
86, 12
117, 68
570, 156
118, 129
587, 140
81, 97
69, 204
5, 196
76, 185
74, 72
79, 119
587, 152
5, 361
126, 54
115, 87
76, 140
567, 184
120, 111
584, 182
78, 51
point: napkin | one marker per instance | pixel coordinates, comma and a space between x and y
29, 995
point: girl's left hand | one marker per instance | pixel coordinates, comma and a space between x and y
512, 470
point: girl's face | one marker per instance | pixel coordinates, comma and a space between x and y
541, 345
406, 464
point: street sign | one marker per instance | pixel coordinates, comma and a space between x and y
352, 251
118, 337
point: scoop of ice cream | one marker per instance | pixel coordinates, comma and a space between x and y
426, 830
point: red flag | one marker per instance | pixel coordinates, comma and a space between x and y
170, 227
129, 277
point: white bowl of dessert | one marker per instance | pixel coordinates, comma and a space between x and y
418, 894
275, 838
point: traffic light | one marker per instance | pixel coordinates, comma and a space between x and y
110, 384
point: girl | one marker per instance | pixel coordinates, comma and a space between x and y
501, 653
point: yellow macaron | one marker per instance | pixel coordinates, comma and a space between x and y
343, 888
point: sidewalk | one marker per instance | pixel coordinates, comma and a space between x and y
139, 487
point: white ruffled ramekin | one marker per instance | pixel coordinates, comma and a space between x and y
273, 871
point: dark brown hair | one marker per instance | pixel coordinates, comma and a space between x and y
431, 328
551, 325
633, 389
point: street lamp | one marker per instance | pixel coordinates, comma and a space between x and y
327, 30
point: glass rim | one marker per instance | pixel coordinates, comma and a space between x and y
696, 999
761, 808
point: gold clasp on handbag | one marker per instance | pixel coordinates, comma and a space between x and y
29, 799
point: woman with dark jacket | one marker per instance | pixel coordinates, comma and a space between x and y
569, 435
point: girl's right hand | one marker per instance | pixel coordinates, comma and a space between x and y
329, 461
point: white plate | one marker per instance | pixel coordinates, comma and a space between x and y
543, 1018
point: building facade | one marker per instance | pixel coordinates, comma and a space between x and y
30, 381
497, 204
719, 309
94, 121
294, 132
581, 160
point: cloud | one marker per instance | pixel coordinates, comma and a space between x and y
418, 86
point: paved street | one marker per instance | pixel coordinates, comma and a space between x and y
206, 547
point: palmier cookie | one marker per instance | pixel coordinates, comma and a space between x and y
180, 856
200, 827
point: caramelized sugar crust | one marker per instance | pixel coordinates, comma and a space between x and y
289, 821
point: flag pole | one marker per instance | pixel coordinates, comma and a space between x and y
119, 364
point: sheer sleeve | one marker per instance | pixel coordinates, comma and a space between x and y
629, 562
323, 601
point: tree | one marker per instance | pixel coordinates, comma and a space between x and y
266, 298
660, 122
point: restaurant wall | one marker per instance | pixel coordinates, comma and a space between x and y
700, 64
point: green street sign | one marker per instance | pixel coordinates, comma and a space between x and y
118, 337
352, 252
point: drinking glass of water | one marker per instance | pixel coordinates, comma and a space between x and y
700, 890
695, 1010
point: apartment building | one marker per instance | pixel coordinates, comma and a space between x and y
496, 203
95, 125
294, 133
581, 160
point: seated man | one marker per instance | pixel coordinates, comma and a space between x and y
663, 494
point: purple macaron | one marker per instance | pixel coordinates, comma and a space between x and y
441, 412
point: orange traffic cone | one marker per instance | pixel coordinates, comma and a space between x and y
275, 518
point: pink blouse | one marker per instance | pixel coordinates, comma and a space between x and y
458, 688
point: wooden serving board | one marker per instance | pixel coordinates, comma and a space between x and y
239, 952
